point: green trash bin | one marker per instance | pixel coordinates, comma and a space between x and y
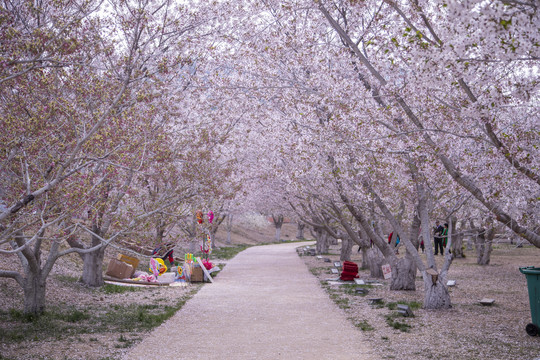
533, 283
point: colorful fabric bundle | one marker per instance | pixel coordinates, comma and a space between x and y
350, 271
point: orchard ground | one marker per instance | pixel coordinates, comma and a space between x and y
84, 323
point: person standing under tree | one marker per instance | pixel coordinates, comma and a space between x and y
445, 236
437, 237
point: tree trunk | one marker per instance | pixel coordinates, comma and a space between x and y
472, 238
160, 232
214, 227
92, 274
365, 259
404, 274
278, 223
229, 228
484, 246
300, 231
278, 233
346, 249
213, 238
34, 280
332, 240
34, 293
457, 241
322, 241
93, 263
436, 295
364, 248
376, 260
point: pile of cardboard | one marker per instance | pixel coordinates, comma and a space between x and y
123, 267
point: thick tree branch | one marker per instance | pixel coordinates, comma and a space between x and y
498, 143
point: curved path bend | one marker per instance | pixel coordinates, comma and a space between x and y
265, 304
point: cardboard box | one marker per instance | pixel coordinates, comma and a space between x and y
197, 274
134, 262
119, 269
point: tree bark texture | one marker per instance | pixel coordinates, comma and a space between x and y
457, 241
34, 280
322, 242
346, 249
278, 223
229, 228
375, 262
471, 239
365, 259
484, 246
403, 274
300, 230
34, 293
92, 274
436, 295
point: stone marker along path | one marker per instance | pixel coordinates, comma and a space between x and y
265, 304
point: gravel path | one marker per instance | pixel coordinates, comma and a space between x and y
265, 304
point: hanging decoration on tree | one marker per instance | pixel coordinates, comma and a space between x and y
199, 215
206, 248
188, 258
210, 216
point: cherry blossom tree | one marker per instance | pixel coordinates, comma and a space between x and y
77, 84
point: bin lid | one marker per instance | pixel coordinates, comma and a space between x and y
530, 270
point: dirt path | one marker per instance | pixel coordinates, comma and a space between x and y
264, 305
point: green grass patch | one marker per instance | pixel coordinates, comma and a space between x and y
61, 323
228, 252
363, 325
339, 301
53, 323
118, 289
350, 289
67, 279
379, 305
413, 305
391, 320
124, 342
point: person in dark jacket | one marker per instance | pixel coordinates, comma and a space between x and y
437, 237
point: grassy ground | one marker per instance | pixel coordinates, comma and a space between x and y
118, 317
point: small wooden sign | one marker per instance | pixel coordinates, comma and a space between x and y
334, 271
359, 282
337, 264
387, 271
